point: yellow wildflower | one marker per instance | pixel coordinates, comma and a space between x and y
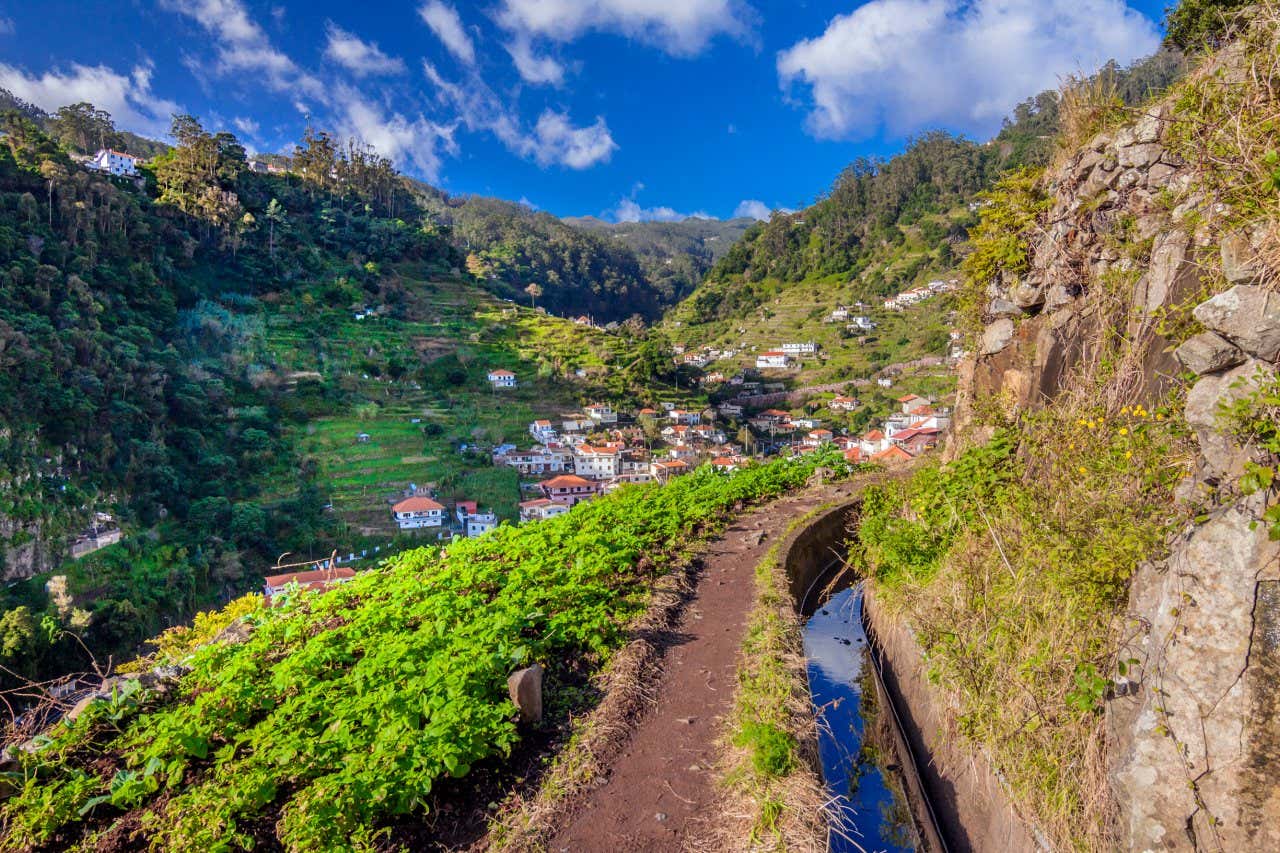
1083, 470
1124, 431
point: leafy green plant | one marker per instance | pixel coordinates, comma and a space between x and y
346, 708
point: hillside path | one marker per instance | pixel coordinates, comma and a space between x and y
662, 782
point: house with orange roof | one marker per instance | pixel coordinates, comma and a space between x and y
540, 509
894, 455
665, 470
314, 580
412, 513
569, 489
774, 359
502, 378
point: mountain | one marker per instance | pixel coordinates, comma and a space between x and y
675, 256
885, 227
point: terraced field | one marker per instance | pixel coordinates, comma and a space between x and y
412, 379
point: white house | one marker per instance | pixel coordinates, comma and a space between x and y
417, 512
502, 379
803, 348
862, 323
479, 523
542, 430
541, 509
115, 163
602, 413
806, 423
838, 314
598, 463
681, 416
843, 404
774, 359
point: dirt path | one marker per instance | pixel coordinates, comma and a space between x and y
662, 782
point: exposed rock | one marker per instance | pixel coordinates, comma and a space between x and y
1238, 259
1171, 273
1248, 316
1057, 296
1208, 352
999, 307
1195, 755
525, 688
1139, 156
80, 707
1159, 175
1028, 294
997, 336
1222, 455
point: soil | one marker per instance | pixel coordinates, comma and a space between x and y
661, 786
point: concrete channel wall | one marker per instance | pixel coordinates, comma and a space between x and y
971, 809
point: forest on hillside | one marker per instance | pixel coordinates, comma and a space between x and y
127, 382
875, 205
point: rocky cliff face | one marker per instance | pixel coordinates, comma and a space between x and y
1139, 274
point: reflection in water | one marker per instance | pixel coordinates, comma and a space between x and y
855, 741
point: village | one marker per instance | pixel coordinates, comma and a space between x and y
580, 455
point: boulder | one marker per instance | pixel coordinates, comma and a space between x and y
1207, 641
1000, 307
997, 336
1223, 457
1027, 294
1140, 156
1170, 273
525, 689
80, 707
1246, 315
1208, 352
1238, 263
1159, 175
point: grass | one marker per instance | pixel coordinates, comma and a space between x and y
776, 797
426, 359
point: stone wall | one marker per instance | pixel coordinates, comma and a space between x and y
1194, 728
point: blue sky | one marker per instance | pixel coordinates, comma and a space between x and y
618, 108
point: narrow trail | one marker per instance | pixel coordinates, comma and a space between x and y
662, 783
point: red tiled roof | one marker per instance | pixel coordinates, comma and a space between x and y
564, 481
417, 504
874, 435
501, 373
469, 506
315, 577
892, 454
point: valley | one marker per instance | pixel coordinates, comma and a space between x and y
343, 511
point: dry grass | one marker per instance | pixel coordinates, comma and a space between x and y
1086, 105
1228, 130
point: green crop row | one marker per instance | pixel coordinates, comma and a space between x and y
345, 709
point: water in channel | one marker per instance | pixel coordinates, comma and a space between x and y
855, 741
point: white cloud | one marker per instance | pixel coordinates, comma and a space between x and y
415, 142
754, 208
358, 56
534, 68
444, 22
524, 200
246, 126
128, 97
243, 47
908, 64
629, 210
556, 140
680, 27
553, 140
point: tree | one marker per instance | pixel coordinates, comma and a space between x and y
53, 173
534, 291
1197, 24
276, 215
83, 127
